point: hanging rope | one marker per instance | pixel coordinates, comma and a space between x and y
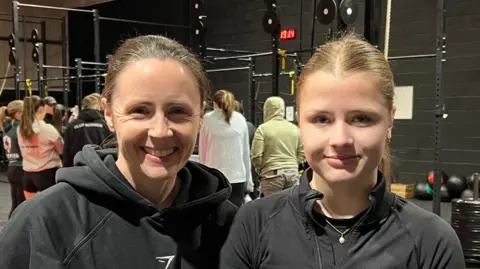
387, 28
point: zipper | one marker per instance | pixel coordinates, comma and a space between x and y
319, 259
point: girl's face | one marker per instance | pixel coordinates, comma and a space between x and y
344, 123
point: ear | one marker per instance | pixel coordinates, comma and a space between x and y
107, 110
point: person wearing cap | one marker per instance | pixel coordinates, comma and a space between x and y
49, 106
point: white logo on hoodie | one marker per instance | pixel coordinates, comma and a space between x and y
165, 260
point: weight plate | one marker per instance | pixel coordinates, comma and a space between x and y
12, 58
35, 54
34, 36
270, 22
11, 40
348, 11
326, 11
465, 220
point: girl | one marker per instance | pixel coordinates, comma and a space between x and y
224, 144
41, 146
342, 215
10, 143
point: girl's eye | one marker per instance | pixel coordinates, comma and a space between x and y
321, 119
362, 119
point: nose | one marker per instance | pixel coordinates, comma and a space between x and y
340, 135
160, 126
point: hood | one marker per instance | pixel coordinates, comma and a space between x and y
94, 177
274, 108
90, 115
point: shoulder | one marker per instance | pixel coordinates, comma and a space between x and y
47, 127
48, 205
258, 212
432, 235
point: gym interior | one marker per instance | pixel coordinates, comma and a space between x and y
257, 49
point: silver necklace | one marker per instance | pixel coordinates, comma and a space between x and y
341, 240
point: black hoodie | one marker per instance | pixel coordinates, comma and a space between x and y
92, 218
88, 128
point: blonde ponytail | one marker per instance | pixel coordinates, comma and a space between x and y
226, 101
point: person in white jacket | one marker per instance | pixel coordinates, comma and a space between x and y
224, 145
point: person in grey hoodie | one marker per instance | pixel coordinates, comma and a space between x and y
41, 145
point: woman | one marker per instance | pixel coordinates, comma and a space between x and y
41, 146
341, 215
12, 149
143, 205
88, 128
224, 145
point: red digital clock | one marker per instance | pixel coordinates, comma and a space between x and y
288, 34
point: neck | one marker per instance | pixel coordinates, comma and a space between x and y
343, 200
161, 193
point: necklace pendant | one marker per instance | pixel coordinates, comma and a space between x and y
341, 240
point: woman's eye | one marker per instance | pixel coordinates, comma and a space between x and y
178, 111
139, 110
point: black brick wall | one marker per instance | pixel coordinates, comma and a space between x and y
236, 24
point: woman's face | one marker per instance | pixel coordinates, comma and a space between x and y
344, 124
156, 113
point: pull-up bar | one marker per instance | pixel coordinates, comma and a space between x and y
53, 8
144, 22
243, 56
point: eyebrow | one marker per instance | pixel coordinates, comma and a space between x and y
355, 111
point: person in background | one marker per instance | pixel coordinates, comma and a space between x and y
49, 106
41, 145
277, 149
10, 143
341, 215
59, 114
223, 144
251, 133
88, 128
142, 204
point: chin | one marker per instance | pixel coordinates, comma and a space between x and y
158, 173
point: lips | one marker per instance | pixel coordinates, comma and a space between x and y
342, 157
160, 153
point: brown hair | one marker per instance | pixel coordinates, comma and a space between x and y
31, 104
350, 54
238, 107
157, 47
9, 111
91, 101
59, 112
226, 101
